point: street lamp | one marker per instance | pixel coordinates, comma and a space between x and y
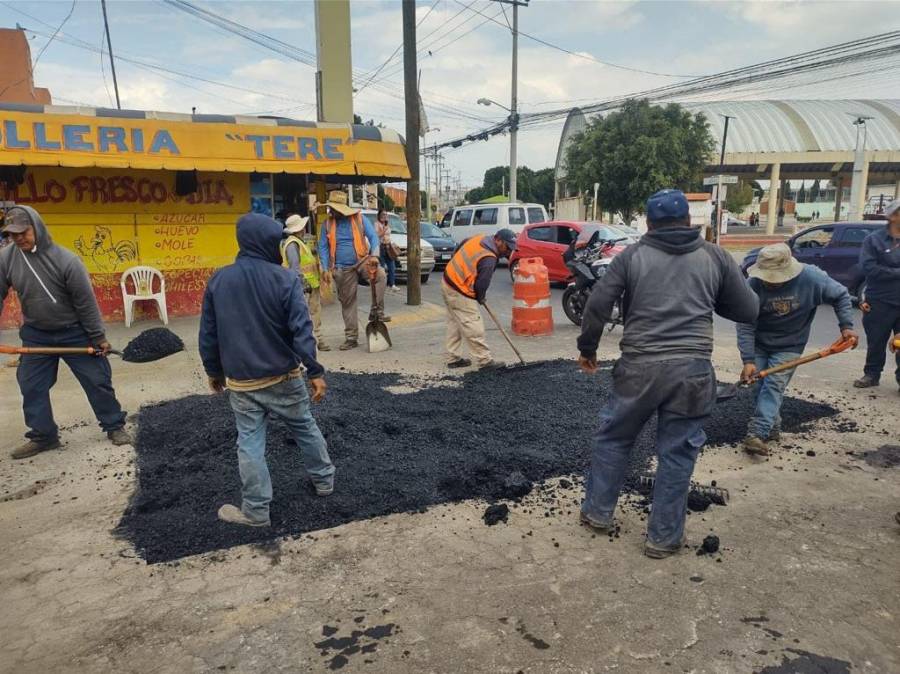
513, 126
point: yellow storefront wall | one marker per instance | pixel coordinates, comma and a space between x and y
115, 219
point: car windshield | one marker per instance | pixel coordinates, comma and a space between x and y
429, 231
607, 232
398, 226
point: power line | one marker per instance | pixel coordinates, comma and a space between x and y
587, 57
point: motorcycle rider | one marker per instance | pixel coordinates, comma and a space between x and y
671, 282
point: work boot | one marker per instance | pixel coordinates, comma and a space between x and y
322, 346
33, 447
120, 437
775, 435
349, 344
492, 365
755, 445
459, 362
234, 515
866, 381
655, 551
601, 527
324, 489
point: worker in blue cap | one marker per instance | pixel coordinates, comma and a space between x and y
670, 284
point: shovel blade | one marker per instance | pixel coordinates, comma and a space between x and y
377, 337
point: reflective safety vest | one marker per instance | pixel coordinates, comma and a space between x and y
309, 265
360, 242
463, 268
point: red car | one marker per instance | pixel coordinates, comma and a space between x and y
549, 240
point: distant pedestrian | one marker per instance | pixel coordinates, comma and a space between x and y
255, 332
879, 260
466, 281
59, 310
298, 256
348, 249
671, 282
383, 230
789, 293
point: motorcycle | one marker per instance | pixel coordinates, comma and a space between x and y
588, 263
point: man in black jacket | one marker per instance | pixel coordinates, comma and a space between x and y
255, 331
670, 283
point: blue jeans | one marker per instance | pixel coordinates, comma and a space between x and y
879, 324
390, 266
769, 393
288, 400
683, 392
37, 374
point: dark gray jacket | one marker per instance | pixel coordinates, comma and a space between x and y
670, 283
52, 283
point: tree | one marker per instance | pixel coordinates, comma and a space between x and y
531, 185
738, 197
638, 150
384, 199
815, 190
801, 195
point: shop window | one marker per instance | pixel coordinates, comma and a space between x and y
261, 197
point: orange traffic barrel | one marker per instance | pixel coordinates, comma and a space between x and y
531, 313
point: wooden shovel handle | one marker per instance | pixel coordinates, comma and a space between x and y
840, 345
49, 350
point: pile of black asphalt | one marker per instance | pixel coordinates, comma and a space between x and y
394, 452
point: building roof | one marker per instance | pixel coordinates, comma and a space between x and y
800, 126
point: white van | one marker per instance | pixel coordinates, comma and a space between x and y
465, 221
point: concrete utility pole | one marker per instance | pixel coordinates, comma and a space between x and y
334, 77
112, 61
719, 199
413, 123
860, 172
513, 115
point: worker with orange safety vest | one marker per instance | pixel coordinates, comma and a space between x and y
348, 251
466, 280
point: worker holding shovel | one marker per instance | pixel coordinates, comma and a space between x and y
59, 310
466, 281
789, 293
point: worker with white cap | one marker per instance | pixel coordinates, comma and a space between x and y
879, 260
297, 256
789, 293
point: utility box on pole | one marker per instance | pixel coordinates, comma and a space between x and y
334, 77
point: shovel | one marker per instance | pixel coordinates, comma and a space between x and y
522, 364
376, 330
55, 350
839, 346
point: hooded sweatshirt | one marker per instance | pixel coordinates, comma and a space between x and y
52, 283
255, 322
670, 283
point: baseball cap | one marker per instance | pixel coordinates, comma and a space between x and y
892, 208
667, 205
508, 237
17, 221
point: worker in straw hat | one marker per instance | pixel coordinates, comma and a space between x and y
349, 250
297, 256
789, 293
879, 260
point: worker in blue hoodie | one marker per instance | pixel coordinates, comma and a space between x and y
879, 260
255, 332
59, 310
789, 293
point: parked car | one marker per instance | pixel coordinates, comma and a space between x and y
549, 240
463, 222
398, 238
833, 248
441, 241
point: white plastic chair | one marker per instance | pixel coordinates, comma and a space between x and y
143, 279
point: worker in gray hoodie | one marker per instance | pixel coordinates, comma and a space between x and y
670, 283
59, 310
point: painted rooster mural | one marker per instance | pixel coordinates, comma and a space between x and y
105, 253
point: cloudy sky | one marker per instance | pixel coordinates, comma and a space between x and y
464, 55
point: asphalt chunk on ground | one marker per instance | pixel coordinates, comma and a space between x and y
152, 344
394, 452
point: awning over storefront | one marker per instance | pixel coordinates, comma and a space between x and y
50, 135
